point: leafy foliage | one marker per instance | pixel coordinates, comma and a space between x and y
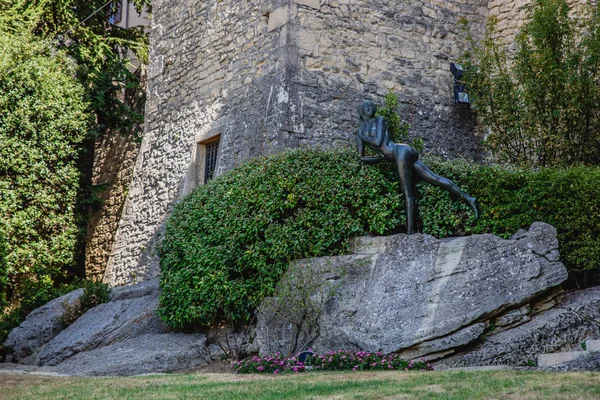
99, 49
541, 102
228, 243
43, 118
514, 198
94, 293
61, 79
397, 128
3, 272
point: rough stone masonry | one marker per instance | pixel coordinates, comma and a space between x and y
272, 75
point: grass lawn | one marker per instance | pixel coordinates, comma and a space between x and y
326, 385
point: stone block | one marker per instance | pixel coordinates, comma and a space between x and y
40, 327
278, 18
558, 329
592, 345
151, 353
548, 360
309, 3
419, 292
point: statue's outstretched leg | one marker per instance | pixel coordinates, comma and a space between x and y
405, 159
424, 173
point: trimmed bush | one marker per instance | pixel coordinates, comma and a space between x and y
227, 244
511, 199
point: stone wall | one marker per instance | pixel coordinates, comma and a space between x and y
279, 74
511, 15
350, 50
113, 171
214, 69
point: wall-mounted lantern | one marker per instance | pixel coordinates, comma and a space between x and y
460, 92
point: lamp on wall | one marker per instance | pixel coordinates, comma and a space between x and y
460, 92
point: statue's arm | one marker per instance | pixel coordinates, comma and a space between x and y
360, 145
361, 152
380, 131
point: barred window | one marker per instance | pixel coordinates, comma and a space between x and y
206, 158
210, 157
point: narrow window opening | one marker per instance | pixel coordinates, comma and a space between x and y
206, 158
211, 151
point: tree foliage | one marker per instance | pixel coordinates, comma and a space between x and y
43, 118
63, 68
100, 50
541, 102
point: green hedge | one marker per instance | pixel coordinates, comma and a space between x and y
227, 243
511, 198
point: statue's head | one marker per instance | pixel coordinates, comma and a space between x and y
367, 109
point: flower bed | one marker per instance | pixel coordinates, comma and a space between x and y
339, 360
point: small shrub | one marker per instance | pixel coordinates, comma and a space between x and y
299, 299
398, 129
339, 360
94, 293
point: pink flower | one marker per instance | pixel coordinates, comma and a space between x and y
261, 368
276, 371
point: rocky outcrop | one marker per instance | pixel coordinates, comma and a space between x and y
122, 337
130, 313
418, 294
40, 326
561, 328
151, 353
458, 302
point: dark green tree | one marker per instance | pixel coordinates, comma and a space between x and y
541, 102
63, 72
43, 119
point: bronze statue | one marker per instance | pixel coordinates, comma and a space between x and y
374, 133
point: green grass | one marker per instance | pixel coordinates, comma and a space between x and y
503, 385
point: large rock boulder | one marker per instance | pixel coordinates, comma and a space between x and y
414, 293
151, 353
561, 328
122, 337
40, 326
130, 313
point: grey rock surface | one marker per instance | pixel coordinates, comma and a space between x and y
127, 316
456, 339
562, 328
40, 326
150, 353
588, 362
398, 291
